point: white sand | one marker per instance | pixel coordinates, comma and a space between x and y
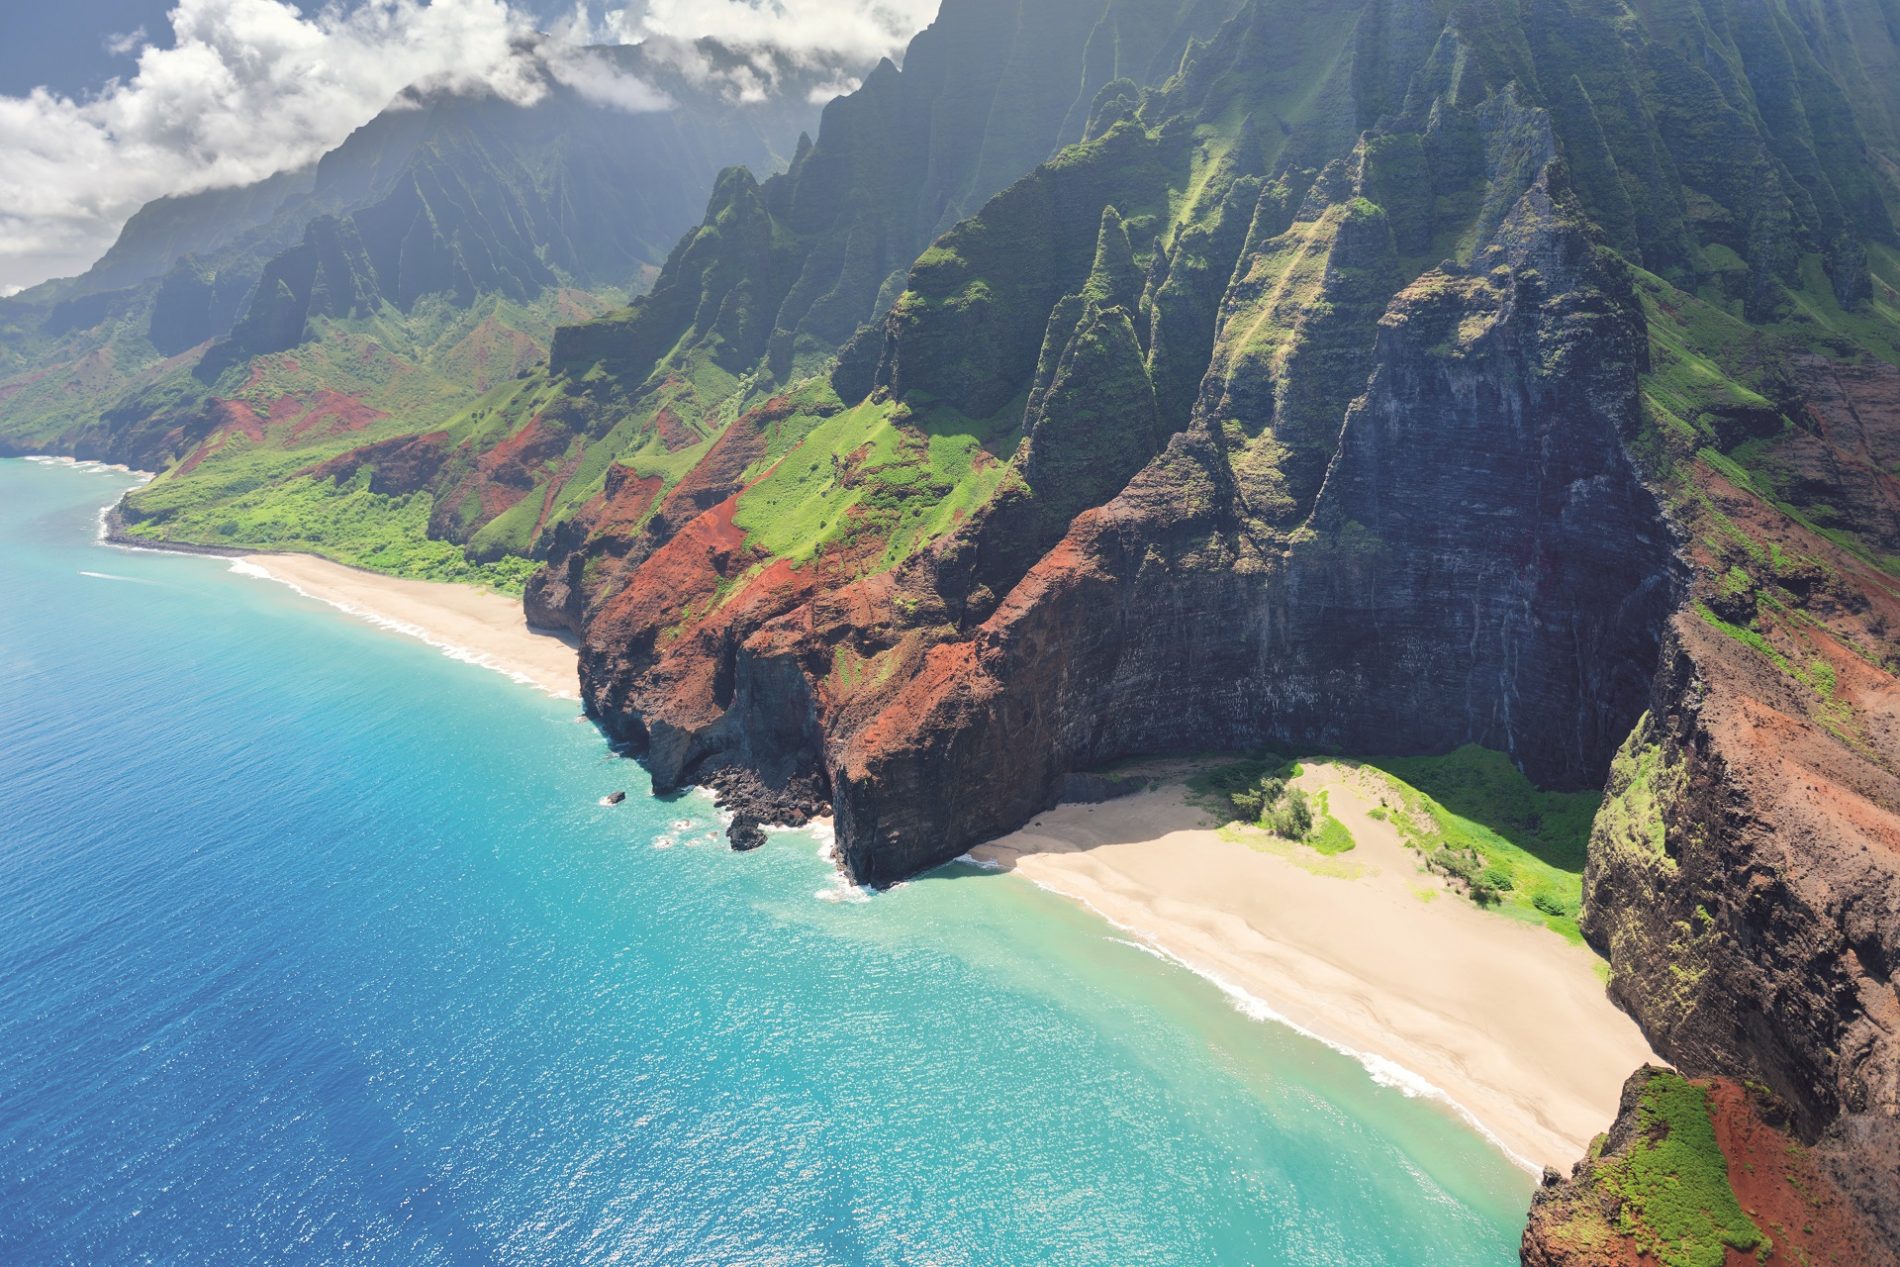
475, 625
1507, 1021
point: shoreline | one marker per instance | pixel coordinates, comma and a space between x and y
475, 626
1505, 1023
1153, 867
463, 622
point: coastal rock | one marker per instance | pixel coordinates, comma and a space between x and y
1697, 1171
793, 803
745, 834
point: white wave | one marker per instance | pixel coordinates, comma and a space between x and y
111, 576
454, 651
91, 466
1383, 1071
981, 864
823, 833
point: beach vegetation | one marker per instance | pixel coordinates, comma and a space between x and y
1292, 818
1509, 845
1259, 792
1332, 837
349, 524
1230, 788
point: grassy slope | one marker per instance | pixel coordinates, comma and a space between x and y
419, 373
1708, 366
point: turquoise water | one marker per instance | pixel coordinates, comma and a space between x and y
316, 947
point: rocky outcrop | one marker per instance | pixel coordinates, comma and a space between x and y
1744, 881
1697, 1172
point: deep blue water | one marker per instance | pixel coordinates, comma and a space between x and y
316, 947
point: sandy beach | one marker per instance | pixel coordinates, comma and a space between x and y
1507, 1021
470, 624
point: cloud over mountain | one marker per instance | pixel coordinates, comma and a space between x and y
246, 88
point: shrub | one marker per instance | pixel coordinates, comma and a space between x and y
1253, 804
1293, 818
1332, 836
1552, 904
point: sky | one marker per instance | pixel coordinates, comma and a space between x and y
108, 104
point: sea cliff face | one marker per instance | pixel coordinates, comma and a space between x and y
1744, 881
1397, 438
1174, 619
1389, 375
1267, 558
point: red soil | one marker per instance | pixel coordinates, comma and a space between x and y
1780, 1188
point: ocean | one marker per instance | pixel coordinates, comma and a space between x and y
318, 947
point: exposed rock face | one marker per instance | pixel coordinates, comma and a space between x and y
1169, 620
1745, 883
1297, 485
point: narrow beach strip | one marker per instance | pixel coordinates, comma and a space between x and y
468, 624
1507, 1022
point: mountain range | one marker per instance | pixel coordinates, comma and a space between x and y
1123, 377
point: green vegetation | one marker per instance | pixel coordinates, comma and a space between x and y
350, 525
1259, 794
352, 383
1331, 836
1478, 821
1509, 845
877, 481
1292, 817
1677, 1203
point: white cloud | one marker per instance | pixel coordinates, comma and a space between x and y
248, 88
122, 45
809, 33
856, 29
838, 87
600, 81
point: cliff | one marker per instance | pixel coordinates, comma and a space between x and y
1501, 413
1161, 376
